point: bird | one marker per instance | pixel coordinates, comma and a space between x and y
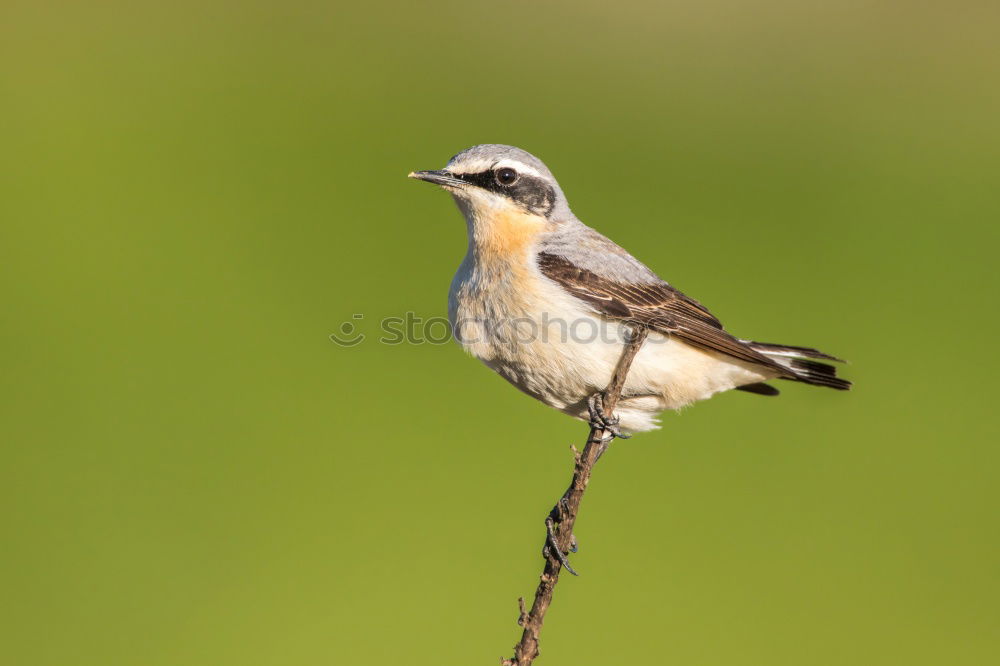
549, 303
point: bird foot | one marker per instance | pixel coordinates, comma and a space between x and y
606, 422
551, 546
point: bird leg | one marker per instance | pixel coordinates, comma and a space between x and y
551, 546
606, 422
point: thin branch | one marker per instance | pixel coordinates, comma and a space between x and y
560, 521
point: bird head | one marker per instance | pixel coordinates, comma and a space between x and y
489, 178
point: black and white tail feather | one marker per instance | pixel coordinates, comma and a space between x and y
802, 365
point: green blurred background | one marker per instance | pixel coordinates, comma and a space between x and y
194, 195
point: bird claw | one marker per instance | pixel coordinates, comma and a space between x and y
607, 422
552, 547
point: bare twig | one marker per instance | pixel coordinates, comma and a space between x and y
560, 521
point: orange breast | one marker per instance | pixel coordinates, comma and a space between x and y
505, 235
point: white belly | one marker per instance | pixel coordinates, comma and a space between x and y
551, 346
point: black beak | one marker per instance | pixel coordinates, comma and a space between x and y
439, 177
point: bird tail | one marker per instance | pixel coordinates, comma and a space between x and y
803, 364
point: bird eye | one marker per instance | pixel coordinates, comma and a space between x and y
505, 176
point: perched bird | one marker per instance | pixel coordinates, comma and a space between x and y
548, 303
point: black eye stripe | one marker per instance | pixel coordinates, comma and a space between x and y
531, 192
483, 179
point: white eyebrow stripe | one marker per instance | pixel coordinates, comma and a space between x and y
472, 166
519, 167
480, 165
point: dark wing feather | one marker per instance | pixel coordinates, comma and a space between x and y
760, 389
657, 306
